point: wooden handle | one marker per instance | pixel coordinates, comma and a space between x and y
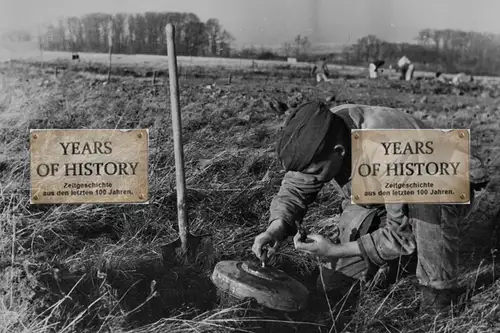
177, 132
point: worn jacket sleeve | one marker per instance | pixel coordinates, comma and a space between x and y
392, 240
297, 192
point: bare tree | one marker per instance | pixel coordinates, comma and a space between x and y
298, 45
287, 49
138, 33
305, 45
213, 30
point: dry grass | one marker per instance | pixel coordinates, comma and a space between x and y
139, 62
99, 268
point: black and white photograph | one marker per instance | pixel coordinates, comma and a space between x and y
206, 166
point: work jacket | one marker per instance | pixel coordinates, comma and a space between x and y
299, 190
320, 68
404, 62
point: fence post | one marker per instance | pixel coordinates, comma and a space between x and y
110, 44
41, 41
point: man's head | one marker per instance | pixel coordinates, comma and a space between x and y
314, 141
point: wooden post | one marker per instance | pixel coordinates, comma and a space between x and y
177, 136
110, 44
229, 78
155, 90
41, 56
41, 40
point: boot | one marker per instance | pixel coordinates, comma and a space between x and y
441, 302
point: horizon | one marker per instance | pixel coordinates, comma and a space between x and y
262, 24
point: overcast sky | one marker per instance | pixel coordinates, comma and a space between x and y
271, 22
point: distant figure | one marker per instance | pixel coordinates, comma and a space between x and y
406, 68
374, 67
457, 79
462, 77
372, 71
321, 70
441, 78
75, 56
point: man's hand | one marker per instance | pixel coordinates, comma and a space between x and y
315, 244
274, 234
321, 246
261, 241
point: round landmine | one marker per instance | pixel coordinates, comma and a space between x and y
268, 287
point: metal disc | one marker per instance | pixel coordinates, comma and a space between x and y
270, 287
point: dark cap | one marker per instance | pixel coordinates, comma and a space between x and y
308, 130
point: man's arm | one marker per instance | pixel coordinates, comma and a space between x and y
297, 192
325, 68
313, 69
390, 241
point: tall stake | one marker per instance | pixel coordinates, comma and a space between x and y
110, 45
41, 41
176, 127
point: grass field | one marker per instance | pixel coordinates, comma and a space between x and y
89, 268
138, 62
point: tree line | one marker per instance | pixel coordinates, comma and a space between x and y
137, 34
440, 50
444, 50
298, 48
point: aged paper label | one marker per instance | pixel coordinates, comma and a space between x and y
410, 166
89, 166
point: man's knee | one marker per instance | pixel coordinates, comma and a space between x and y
441, 215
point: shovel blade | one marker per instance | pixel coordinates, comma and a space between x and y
168, 251
199, 247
